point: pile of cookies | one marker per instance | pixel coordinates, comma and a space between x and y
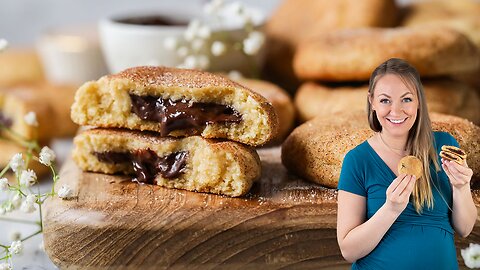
176, 128
23, 90
330, 49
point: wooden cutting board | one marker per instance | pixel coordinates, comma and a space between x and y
284, 222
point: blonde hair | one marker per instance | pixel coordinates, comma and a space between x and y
420, 137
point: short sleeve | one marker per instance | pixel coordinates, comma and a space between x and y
446, 139
351, 178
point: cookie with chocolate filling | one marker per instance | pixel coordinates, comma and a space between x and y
192, 163
452, 153
410, 165
176, 102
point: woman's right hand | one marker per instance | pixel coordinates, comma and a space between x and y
398, 193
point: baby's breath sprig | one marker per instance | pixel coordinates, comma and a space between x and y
18, 192
199, 44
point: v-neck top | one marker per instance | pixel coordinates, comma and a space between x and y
427, 237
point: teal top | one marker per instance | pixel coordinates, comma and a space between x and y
413, 241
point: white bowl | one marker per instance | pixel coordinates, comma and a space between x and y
127, 45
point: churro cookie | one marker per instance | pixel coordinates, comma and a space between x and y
351, 55
315, 150
410, 165
176, 102
50, 103
280, 100
453, 153
191, 163
443, 95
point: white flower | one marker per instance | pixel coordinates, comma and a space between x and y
17, 163
213, 7
65, 192
3, 184
8, 207
182, 51
3, 44
5, 266
204, 32
16, 247
218, 48
15, 202
2, 211
192, 30
31, 119
31, 198
198, 44
471, 256
28, 178
170, 43
235, 75
27, 206
253, 43
46, 156
237, 8
15, 235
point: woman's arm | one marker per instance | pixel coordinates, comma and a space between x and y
357, 237
464, 212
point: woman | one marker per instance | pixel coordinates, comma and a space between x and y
390, 221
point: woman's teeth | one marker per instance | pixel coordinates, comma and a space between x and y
397, 121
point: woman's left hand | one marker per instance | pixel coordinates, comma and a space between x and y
459, 175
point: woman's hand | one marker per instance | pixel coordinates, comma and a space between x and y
459, 175
398, 193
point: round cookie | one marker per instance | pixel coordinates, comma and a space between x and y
280, 100
299, 20
315, 150
410, 165
443, 96
352, 55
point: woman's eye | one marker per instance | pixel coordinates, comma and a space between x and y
407, 99
385, 101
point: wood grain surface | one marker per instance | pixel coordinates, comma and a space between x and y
283, 223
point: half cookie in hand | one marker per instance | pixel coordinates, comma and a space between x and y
411, 165
176, 102
191, 163
453, 153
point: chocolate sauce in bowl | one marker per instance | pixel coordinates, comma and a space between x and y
151, 20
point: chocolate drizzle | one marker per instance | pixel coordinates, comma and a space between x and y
5, 121
146, 164
182, 114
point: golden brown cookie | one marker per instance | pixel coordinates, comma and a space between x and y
443, 95
453, 153
352, 55
19, 66
176, 102
315, 150
410, 165
298, 20
50, 103
281, 102
191, 163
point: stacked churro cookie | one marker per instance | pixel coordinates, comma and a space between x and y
172, 127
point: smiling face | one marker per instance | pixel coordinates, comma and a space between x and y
395, 104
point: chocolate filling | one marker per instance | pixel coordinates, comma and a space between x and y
455, 151
182, 114
146, 164
5, 121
